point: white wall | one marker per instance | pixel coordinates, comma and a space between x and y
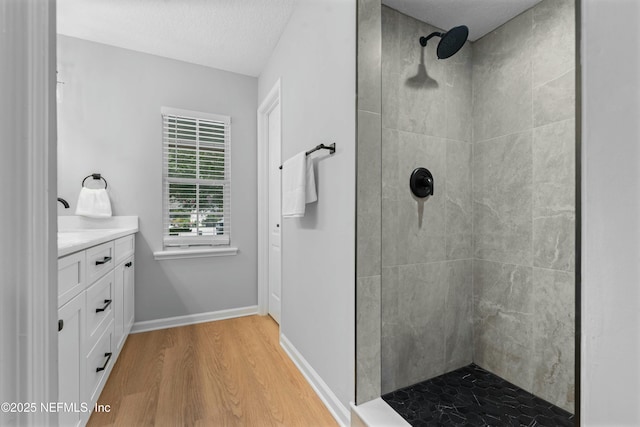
611, 213
109, 122
315, 58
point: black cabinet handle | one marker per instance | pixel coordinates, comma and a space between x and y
60, 325
106, 362
129, 264
107, 302
104, 260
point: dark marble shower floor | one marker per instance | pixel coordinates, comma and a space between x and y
471, 396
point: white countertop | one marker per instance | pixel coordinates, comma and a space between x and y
77, 233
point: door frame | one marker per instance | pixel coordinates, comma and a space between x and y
267, 105
29, 301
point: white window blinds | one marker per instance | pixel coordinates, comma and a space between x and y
196, 178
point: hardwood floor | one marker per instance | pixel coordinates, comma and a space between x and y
225, 373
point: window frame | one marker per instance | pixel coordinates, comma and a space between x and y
197, 242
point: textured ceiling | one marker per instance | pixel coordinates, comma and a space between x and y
481, 16
232, 35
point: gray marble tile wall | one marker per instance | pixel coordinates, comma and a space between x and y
426, 247
369, 188
484, 270
523, 201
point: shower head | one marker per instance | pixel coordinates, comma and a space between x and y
450, 42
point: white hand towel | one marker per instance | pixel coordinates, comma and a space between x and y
310, 184
298, 185
94, 203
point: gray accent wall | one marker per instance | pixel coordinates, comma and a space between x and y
524, 201
109, 122
426, 247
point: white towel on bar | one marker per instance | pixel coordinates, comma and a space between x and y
298, 185
93, 203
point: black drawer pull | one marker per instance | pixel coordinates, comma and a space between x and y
107, 303
104, 260
106, 362
129, 264
60, 325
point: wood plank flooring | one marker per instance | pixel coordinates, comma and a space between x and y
225, 373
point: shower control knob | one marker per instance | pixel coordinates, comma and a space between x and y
421, 183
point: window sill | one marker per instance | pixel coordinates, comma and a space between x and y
194, 253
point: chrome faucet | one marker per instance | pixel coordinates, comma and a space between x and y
64, 202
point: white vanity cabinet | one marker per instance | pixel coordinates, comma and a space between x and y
95, 297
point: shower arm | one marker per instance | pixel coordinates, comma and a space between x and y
424, 40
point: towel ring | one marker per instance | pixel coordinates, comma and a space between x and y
96, 176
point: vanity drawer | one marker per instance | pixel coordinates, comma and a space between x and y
124, 247
99, 308
98, 364
100, 259
71, 277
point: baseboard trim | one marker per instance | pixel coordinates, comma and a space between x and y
192, 319
330, 400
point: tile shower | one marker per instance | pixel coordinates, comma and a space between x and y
483, 271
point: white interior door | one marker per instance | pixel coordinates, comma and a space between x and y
275, 215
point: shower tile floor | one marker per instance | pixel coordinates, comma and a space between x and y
471, 396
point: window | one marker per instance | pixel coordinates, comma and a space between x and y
196, 175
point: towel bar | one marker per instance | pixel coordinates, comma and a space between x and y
331, 148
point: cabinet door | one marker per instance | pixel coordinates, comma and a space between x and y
124, 301
118, 306
129, 295
99, 362
70, 358
100, 306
